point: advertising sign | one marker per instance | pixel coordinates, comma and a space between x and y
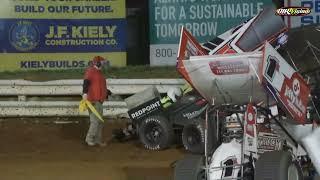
53, 34
310, 16
203, 19
287, 85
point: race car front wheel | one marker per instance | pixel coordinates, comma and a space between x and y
156, 133
193, 136
277, 165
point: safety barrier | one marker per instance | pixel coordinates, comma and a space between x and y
20, 98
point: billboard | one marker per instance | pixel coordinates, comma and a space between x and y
309, 19
49, 34
202, 19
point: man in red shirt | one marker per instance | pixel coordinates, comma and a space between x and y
95, 90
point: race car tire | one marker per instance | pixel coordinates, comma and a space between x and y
193, 136
156, 133
189, 168
277, 165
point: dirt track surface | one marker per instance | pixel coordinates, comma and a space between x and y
48, 151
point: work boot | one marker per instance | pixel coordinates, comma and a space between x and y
102, 144
90, 143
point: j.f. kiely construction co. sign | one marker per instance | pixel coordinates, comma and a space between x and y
61, 34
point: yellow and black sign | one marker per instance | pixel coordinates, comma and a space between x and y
51, 34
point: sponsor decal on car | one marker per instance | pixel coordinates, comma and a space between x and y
250, 130
145, 110
268, 142
194, 114
286, 84
227, 67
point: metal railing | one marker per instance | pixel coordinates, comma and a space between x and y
20, 98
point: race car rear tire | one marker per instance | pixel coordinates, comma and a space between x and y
193, 137
277, 165
156, 133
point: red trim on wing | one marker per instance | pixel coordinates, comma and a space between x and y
269, 39
262, 63
184, 52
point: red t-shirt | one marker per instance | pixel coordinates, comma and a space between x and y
98, 87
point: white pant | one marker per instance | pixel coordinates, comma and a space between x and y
94, 134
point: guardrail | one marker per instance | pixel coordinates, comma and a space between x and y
73, 87
21, 90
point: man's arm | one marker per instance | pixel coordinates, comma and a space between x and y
85, 88
109, 92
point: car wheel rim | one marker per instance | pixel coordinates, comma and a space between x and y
194, 137
153, 133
